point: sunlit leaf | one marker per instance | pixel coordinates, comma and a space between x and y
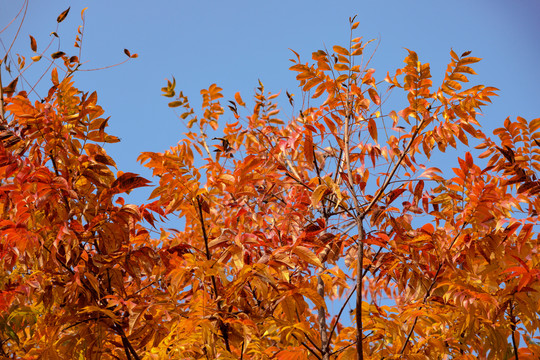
340, 50
307, 255
374, 96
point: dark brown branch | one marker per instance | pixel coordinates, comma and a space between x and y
147, 286
343, 348
128, 348
221, 325
350, 296
313, 343
359, 279
513, 328
307, 347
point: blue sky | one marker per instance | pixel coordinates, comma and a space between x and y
235, 43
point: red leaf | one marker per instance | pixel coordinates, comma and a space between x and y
129, 181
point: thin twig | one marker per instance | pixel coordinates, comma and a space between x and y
307, 347
351, 294
343, 348
2, 112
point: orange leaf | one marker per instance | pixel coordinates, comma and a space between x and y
54, 76
239, 100
372, 127
82, 13
374, 96
469, 60
33, 44
341, 67
341, 50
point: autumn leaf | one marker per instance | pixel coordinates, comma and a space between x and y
10, 88
63, 15
33, 44
307, 255
340, 50
128, 181
57, 54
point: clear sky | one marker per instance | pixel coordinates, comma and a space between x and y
235, 43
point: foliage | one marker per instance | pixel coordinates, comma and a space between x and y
282, 219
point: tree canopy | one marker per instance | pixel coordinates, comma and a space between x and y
344, 203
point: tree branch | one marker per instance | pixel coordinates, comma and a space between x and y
221, 325
393, 172
513, 328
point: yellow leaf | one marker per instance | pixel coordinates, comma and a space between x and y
307, 255
318, 194
313, 295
